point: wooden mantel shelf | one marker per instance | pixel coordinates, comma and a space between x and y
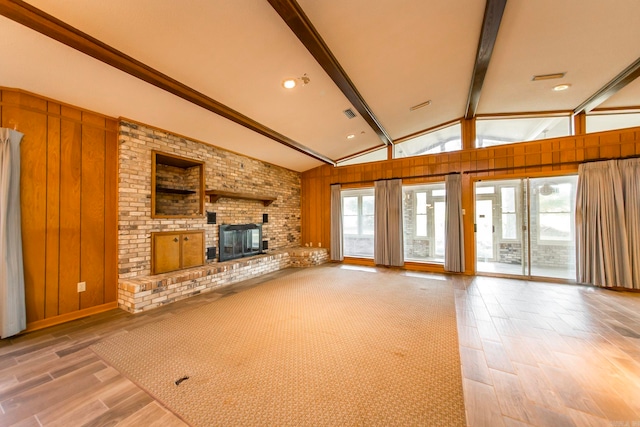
214, 195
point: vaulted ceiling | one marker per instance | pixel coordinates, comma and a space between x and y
212, 70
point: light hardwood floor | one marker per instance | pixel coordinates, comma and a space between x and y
532, 354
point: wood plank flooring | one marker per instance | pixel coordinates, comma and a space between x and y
546, 354
532, 353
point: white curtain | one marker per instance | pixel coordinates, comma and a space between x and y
630, 171
602, 250
12, 305
337, 253
388, 237
454, 227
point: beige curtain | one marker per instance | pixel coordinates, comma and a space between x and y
454, 227
630, 172
337, 253
388, 238
602, 251
12, 304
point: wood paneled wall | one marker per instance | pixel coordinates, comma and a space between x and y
545, 157
69, 206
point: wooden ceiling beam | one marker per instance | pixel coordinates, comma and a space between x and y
628, 75
488, 35
38, 20
293, 15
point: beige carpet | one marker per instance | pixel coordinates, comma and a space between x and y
323, 346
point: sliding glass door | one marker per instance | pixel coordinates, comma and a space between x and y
552, 226
500, 210
524, 227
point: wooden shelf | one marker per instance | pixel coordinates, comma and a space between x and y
215, 195
173, 190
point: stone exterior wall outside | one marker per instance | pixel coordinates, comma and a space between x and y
224, 170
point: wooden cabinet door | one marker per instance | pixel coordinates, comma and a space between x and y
166, 252
192, 249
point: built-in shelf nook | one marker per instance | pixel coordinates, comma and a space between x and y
215, 195
177, 186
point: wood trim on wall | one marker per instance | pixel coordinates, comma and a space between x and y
69, 203
63, 318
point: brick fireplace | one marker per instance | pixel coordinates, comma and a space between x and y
224, 171
239, 241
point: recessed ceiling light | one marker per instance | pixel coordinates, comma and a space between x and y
424, 104
548, 76
351, 136
561, 87
289, 83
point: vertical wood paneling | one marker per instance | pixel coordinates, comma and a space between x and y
111, 214
92, 206
69, 197
52, 262
33, 194
70, 188
325, 226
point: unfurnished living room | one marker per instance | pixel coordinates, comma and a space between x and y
320, 213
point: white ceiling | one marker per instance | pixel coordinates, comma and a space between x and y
398, 53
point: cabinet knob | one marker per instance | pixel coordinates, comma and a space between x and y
175, 239
186, 238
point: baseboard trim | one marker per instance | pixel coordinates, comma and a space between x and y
67, 317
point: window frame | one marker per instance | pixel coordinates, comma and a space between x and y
514, 213
360, 194
571, 213
428, 189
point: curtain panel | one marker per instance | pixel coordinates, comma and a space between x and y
454, 226
337, 250
388, 237
13, 318
630, 171
602, 249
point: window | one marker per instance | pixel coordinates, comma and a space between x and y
508, 207
421, 214
490, 132
554, 212
372, 156
485, 190
599, 122
438, 141
525, 226
423, 208
358, 222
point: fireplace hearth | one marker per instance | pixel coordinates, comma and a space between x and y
240, 240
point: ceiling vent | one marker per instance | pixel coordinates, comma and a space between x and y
349, 113
548, 76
